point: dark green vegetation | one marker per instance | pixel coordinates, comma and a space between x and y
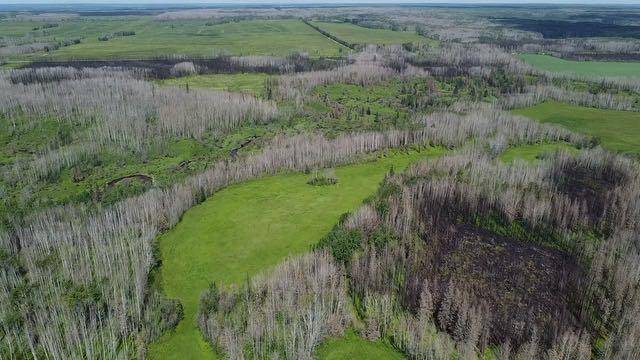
257, 183
616, 130
586, 69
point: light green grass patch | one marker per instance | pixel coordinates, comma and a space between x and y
535, 153
252, 83
355, 34
250, 227
617, 130
353, 347
583, 68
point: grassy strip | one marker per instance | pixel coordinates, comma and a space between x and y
247, 228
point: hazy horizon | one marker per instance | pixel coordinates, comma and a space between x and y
307, 2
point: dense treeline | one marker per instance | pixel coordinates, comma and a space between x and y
161, 68
371, 66
131, 112
285, 315
58, 73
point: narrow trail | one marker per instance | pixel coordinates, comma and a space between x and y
249, 227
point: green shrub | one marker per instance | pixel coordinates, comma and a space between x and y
342, 243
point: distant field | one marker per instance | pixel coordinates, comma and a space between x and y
252, 83
161, 38
250, 227
360, 35
583, 68
534, 153
617, 130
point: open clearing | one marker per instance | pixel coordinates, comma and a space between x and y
252, 83
249, 227
583, 68
617, 130
355, 34
191, 38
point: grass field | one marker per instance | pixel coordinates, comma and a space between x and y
355, 34
583, 68
617, 130
160, 38
252, 83
249, 227
353, 347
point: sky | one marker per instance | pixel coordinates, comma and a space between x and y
601, 2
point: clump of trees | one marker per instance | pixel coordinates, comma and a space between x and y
183, 69
284, 315
131, 112
107, 37
536, 94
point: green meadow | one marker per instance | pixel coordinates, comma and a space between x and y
583, 68
252, 83
250, 227
155, 38
355, 34
617, 130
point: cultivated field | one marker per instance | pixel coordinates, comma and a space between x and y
155, 38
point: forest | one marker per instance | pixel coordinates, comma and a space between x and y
319, 182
